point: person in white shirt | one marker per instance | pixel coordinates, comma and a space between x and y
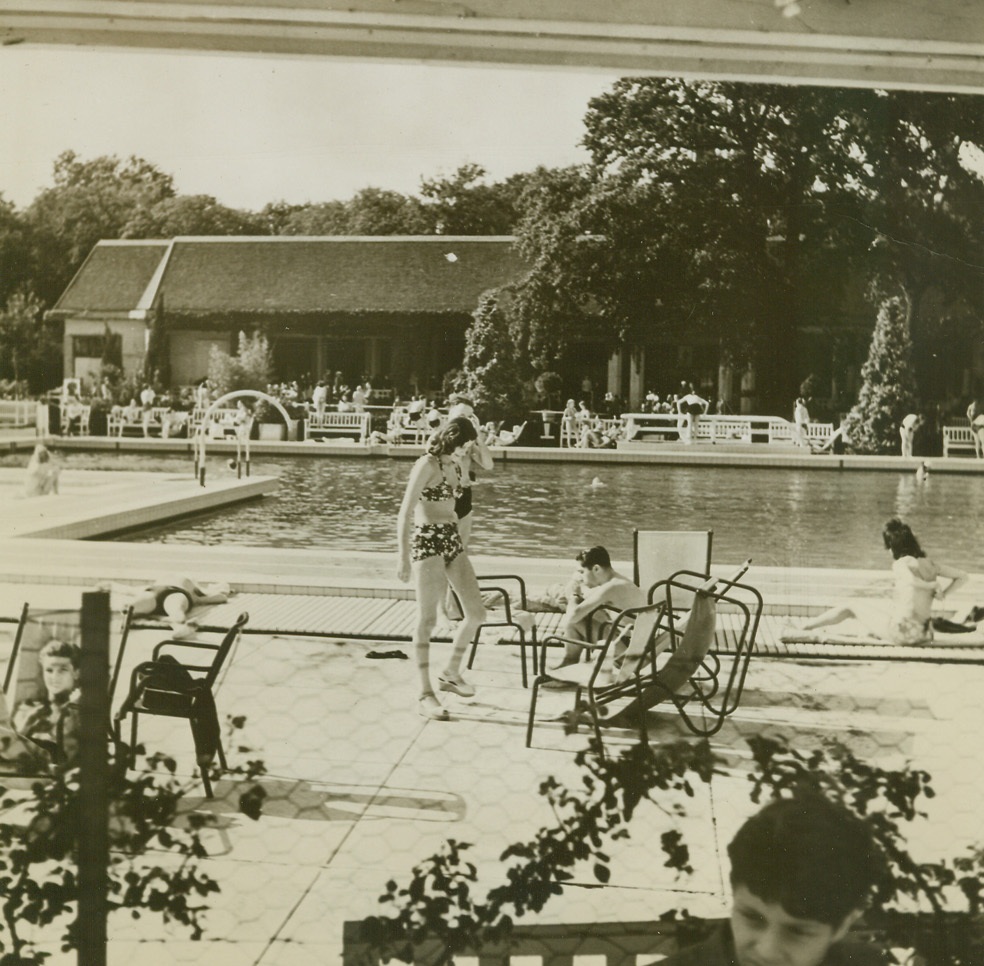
320, 397
907, 431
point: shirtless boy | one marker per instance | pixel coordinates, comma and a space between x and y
595, 584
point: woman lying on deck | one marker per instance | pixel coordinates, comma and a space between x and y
172, 599
908, 618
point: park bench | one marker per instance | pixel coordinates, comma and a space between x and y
339, 424
118, 424
75, 419
18, 413
957, 438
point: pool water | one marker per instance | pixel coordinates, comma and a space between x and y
779, 517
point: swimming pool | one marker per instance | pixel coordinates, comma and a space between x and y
780, 517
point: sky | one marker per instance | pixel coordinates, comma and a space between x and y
252, 129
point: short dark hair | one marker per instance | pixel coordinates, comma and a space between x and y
56, 648
900, 539
448, 438
814, 857
594, 557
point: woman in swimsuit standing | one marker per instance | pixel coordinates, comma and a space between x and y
430, 549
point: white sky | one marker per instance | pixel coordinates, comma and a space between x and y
253, 129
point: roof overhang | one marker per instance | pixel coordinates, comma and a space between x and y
916, 44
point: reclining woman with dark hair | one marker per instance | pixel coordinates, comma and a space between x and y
430, 549
908, 619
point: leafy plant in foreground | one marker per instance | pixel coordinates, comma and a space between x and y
443, 904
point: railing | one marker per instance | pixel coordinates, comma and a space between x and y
610, 943
18, 412
721, 429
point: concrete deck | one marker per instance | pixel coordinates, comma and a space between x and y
360, 788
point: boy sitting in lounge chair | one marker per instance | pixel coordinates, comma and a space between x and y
51, 723
802, 871
172, 599
595, 584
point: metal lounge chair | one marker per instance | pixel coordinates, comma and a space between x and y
167, 686
657, 554
668, 656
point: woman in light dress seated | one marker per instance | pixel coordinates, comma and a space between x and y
907, 619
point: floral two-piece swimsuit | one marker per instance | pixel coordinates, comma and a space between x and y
437, 539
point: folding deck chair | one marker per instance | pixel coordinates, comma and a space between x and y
169, 687
23, 686
691, 674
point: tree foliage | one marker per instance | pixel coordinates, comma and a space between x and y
192, 215
28, 347
89, 201
442, 900
888, 378
741, 214
39, 853
250, 368
494, 374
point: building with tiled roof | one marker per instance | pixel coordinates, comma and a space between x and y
382, 306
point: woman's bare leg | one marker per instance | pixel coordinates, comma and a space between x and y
462, 577
835, 615
431, 585
451, 608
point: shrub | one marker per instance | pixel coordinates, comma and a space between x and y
887, 391
250, 368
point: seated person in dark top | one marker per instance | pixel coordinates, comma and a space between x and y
802, 871
52, 723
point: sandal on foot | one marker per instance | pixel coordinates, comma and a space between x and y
456, 684
429, 707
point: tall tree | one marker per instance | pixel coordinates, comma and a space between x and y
28, 348
192, 215
373, 211
739, 212
16, 267
89, 200
323, 218
887, 391
465, 204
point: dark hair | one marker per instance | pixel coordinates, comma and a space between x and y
900, 539
594, 557
448, 438
56, 648
812, 856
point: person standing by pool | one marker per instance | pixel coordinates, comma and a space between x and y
691, 407
801, 423
430, 550
907, 431
975, 416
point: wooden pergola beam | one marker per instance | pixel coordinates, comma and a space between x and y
917, 44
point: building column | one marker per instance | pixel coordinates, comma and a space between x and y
637, 377
749, 400
726, 384
616, 367
375, 357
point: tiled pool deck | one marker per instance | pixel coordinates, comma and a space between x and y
360, 788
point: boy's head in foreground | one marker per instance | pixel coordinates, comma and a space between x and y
802, 870
59, 669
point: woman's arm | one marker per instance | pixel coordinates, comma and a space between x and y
956, 577
480, 452
419, 476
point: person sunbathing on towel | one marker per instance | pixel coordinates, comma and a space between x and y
908, 618
595, 584
172, 599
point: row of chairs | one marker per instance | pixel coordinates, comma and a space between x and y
669, 651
